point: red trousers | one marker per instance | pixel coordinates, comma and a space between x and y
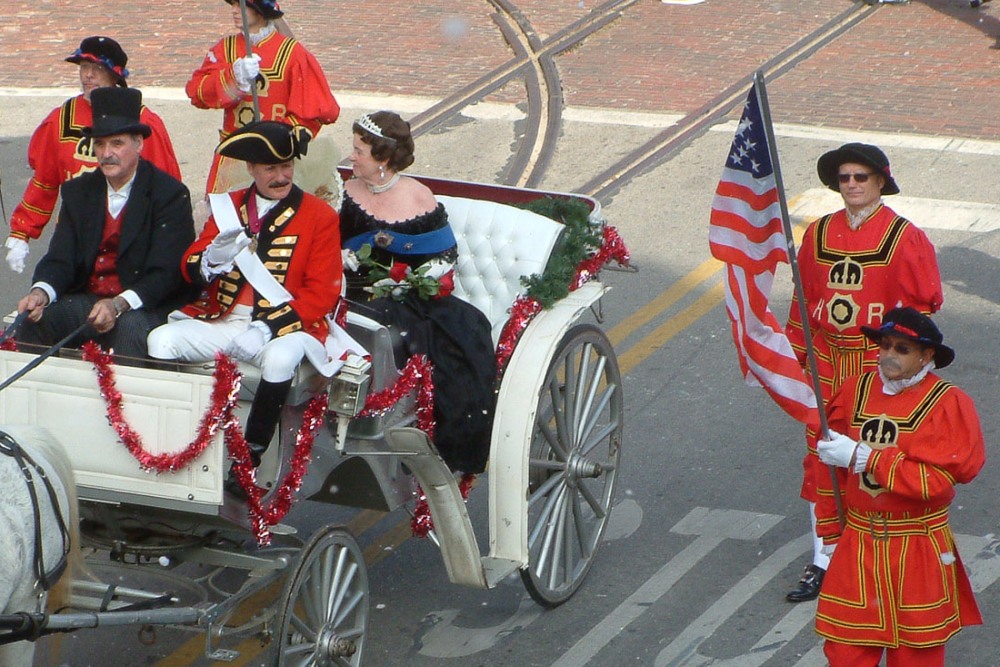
849, 655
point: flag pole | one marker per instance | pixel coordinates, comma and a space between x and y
246, 38
793, 262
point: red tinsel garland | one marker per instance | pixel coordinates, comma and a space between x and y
612, 248
10, 345
220, 414
416, 374
525, 307
261, 516
225, 392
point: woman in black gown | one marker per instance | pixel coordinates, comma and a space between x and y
401, 222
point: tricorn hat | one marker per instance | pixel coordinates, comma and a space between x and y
266, 142
116, 111
103, 51
911, 324
267, 8
872, 156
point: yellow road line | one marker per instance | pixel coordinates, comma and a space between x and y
665, 300
663, 333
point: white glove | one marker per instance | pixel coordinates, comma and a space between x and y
838, 450
827, 549
245, 70
349, 259
17, 251
223, 249
248, 344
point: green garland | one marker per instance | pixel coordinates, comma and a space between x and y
579, 240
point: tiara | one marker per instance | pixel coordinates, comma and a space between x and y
368, 125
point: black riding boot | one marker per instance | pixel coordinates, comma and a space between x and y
265, 412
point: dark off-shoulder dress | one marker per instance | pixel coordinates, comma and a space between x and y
454, 335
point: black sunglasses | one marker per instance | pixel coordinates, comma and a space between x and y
859, 178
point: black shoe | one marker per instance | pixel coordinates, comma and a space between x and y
232, 487
809, 584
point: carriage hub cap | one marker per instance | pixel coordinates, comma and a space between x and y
330, 645
580, 467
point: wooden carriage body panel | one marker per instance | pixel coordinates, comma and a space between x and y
63, 396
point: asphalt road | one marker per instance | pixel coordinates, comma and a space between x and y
708, 532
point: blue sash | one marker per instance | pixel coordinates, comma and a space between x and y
428, 243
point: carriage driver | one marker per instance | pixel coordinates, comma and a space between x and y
269, 262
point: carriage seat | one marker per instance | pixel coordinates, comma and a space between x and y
497, 245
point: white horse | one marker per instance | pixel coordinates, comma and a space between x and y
18, 590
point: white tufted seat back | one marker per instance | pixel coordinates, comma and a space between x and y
497, 244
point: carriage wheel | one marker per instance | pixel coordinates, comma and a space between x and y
575, 447
324, 606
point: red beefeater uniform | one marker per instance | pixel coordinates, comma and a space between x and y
299, 244
896, 577
294, 88
59, 151
850, 278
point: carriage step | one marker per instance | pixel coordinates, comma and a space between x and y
451, 520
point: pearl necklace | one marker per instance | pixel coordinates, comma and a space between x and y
379, 189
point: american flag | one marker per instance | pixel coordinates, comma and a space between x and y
746, 233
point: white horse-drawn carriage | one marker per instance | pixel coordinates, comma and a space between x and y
552, 473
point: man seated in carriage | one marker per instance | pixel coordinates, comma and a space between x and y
268, 260
111, 273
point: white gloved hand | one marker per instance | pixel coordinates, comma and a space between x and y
838, 450
17, 252
349, 259
224, 248
248, 344
827, 549
245, 70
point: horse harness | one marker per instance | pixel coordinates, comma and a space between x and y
10, 447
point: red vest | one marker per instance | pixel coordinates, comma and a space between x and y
104, 280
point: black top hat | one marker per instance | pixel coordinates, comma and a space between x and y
266, 142
829, 164
913, 325
267, 8
116, 111
103, 51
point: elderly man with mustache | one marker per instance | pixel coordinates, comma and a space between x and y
114, 259
268, 261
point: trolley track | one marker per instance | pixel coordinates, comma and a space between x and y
534, 60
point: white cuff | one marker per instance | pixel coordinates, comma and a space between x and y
133, 299
861, 454
48, 289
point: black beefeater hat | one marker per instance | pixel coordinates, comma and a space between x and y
267, 8
829, 164
913, 325
103, 51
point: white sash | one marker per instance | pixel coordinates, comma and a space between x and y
328, 356
226, 218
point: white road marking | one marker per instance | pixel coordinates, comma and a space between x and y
683, 651
926, 213
883, 139
447, 640
712, 528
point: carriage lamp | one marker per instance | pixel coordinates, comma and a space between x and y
349, 387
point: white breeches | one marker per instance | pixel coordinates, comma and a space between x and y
200, 340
